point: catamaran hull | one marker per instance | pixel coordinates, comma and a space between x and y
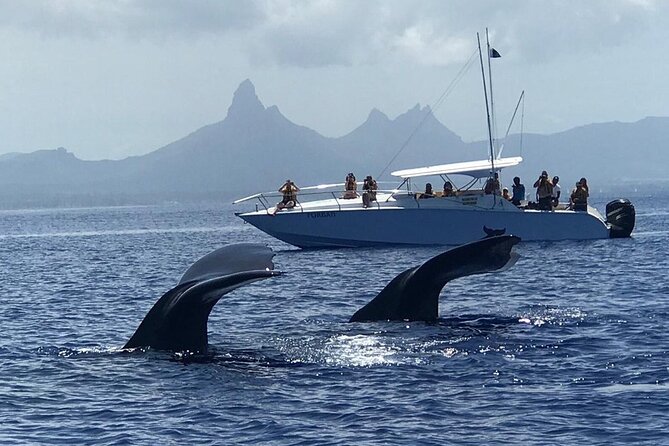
373, 227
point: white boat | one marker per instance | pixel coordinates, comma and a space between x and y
403, 217
323, 218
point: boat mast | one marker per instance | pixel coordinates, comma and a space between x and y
487, 109
492, 103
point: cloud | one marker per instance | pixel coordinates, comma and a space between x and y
351, 32
140, 18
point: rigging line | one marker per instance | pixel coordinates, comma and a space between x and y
508, 129
522, 96
436, 105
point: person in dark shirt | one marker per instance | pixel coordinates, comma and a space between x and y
428, 191
518, 190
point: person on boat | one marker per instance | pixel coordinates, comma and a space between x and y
289, 191
579, 197
492, 185
505, 194
429, 193
518, 191
544, 192
555, 195
584, 183
350, 187
369, 187
448, 189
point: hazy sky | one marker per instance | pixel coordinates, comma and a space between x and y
108, 79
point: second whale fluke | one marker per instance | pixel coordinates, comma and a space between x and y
414, 294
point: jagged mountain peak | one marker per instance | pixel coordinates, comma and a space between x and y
376, 115
414, 113
245, 101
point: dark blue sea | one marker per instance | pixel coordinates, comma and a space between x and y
569, 346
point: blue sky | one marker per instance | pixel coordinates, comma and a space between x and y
109, 79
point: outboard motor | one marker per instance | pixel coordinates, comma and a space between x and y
620, 216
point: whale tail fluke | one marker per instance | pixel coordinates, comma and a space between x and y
414, 294
178, 321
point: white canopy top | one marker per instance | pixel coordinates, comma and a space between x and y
476, 169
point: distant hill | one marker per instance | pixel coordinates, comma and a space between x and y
255, 148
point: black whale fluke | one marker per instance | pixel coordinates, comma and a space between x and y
414, 294
178, 321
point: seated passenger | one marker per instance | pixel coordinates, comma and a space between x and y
428, 191
518, 191
579, 198
289, 191
448, 189
492, 185
505, 194
369, 187
350, 187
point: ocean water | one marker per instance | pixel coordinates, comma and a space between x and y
570, 346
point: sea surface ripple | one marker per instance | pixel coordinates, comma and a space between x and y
569, 346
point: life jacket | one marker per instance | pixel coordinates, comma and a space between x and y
289, 192
579, 196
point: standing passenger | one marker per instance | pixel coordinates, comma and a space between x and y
518, 191
579, 197
556, 191
544, 192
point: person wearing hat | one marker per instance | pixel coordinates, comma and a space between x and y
556, 191
544, 192
505, 194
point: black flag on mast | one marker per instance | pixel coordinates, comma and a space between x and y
494, 54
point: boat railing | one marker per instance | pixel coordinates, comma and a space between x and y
269, 199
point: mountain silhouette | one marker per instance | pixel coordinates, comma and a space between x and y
255, 148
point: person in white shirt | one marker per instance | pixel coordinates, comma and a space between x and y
556, 191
